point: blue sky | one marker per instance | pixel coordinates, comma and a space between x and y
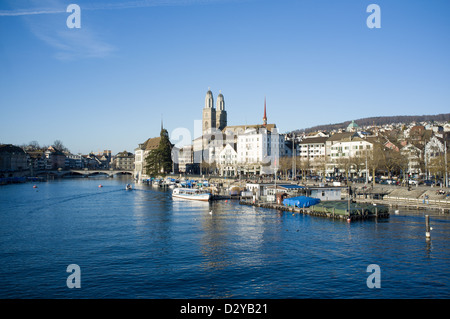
107, 84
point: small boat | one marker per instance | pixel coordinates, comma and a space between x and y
191, 193
128, 187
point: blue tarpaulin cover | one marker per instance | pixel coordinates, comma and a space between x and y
301, 201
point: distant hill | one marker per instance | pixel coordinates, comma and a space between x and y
379, 120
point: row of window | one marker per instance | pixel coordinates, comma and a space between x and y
339, 154
355, 147
311, 146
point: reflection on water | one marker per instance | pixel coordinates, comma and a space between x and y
144, 244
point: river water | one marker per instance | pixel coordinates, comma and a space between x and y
144, 244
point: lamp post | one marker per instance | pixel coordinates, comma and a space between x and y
294, 164
445, 160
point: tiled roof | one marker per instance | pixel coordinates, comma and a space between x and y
152, 143
314, 140
340, 136
9, 148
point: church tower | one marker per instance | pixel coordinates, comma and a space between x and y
209, 113
221, 114
265, 115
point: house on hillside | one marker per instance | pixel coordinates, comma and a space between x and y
414, 156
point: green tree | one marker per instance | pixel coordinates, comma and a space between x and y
159, 161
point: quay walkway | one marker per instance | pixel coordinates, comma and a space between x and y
415, 197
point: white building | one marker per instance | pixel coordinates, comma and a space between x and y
351, 148
239, 149
312, 148
258, 150
414, 156
346, 146
183, 157
227, 161
434, 147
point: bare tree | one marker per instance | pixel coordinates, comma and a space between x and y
285, 164
375, 160
320, 166
304, 165
33, 145
58, 144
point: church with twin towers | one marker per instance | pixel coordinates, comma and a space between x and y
236, 149
214, 117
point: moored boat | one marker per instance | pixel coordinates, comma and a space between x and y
191, 193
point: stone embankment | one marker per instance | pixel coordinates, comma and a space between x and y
420, 197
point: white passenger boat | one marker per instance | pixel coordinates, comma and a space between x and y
128, 187
190, 193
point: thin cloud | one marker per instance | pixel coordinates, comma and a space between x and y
112, 6
16, 13
75, 45
71, 44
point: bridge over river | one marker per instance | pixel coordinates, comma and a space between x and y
83, 172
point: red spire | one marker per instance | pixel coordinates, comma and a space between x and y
265, 116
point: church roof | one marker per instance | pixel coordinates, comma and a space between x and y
352, 125
269, 127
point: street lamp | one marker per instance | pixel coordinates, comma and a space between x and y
294, 164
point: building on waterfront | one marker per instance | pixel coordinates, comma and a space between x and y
310, 149
124, 161
74, 161
258, 150
241, 149
140, 154
36, 160
184, 158
55, 159
227, 161
229, 150
12, 158
343, 151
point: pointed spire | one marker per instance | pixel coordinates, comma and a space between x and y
265, 115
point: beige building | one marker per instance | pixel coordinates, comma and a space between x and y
124, 160
140, 153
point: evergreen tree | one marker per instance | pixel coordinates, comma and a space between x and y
159, 161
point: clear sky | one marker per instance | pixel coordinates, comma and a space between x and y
107, 84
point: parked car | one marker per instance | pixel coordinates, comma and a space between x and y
429, 182
413, 182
